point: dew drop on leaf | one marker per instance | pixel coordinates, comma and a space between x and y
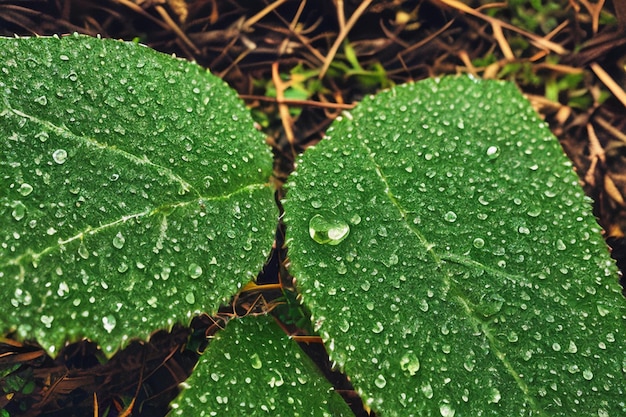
495, 396
19, 211
109, 323
534, 211
490, 304
59, 156
25, 189
410, 363
450, 217
82, 251
328, 229
380, 381
493, 152
190, 298
119, 240
427, 390
43, 100
194, 270
378, 327
446, 410
478, 243
256, 361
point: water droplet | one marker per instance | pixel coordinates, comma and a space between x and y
378, 327
450, 217
380, 381
490, 304
478, 243
365, 285
59, 156
256, 361
82, 251
495, 396
410, 363
493, 152
25, 189
43, 100
393, 260
47, 320
603, 311
560, 245
446, 410
534, 211
19, 211
63, 289
190, 298
587, 374
109, 323
344, 326
194, 270
427, 390
328, 229
119, 240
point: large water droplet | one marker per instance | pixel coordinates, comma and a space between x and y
190, 298
43, 100
25, 189
19, 211
490, 304
109, 323
59, 156
328, 229
378, 327
427, 390
446, 410
380, 381
410, 363
478, 243
493, 152
495, 396
119, 240
194, 270
256, 361
82, 251
450, 217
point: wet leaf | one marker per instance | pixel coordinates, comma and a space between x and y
253, 369
468, 275
135, 190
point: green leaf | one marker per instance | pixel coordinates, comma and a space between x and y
135, 190
253, 369
451, 261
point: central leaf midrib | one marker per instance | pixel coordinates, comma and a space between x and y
472, 315
162, 210
64, 131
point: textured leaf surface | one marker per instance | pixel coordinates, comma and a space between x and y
135, 190
253, 369
451, 261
